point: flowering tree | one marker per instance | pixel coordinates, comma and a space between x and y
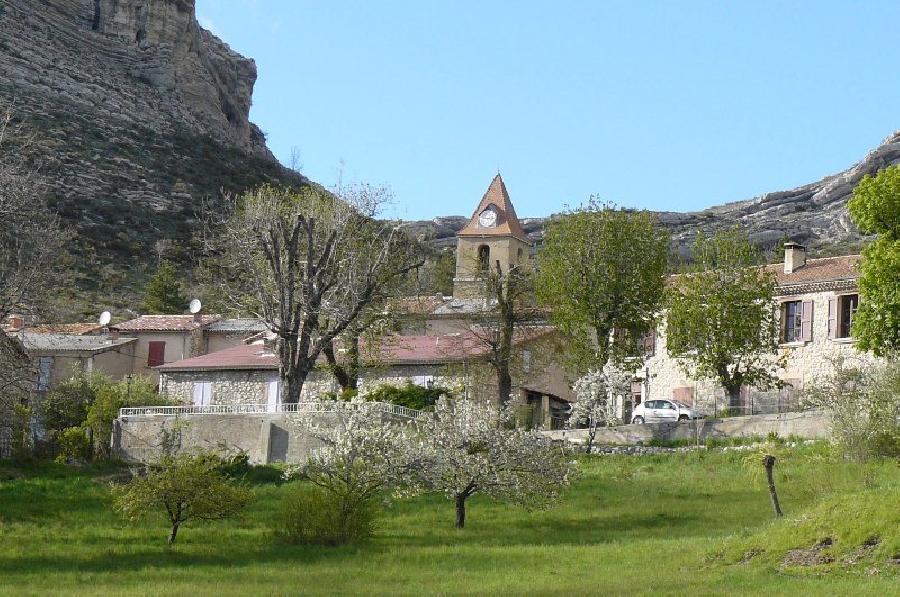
595, 402
467, 449
363, 454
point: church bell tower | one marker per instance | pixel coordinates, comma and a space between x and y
493, 234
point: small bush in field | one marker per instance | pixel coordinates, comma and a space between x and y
863, 405
309, 515
73, 443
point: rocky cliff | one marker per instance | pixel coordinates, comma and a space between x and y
134, 113
814, 214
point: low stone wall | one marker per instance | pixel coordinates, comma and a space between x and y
264, 437
807, 425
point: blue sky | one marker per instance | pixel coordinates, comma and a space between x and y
658, 105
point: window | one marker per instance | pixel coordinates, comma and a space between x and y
273, 395
849, 303
526, 360
796, 321
683, 394
519, 255
202, 393
45, 367
647, 343
484, 257
793, 321
425, 381
156, 353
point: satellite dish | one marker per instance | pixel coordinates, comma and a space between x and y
104, 318
194, 306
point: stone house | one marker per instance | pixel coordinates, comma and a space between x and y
59, 356
165, 339
816, 298
248, 373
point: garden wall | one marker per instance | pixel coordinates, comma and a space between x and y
264, 437
807, 424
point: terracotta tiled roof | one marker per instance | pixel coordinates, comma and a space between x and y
392, 350
507, 221
814, 271
826, 269
242, 356
164, 323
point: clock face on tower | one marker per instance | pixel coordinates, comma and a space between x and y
488, 218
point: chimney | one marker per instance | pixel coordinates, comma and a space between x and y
198, 318
16, 322
794, 257
113, 333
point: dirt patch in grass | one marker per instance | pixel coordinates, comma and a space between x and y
863, 551
809, 556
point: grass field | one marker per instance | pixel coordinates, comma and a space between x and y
666, 524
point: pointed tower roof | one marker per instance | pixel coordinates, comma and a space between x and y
498, 200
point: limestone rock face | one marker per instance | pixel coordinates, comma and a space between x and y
815, 214
134, 113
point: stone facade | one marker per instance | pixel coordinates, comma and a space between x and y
663, 377
237, 386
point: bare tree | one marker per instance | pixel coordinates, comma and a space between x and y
32, 244
32, 239
510, 309
308, 263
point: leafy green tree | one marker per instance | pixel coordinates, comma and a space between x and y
164, 293
603, 270
875, 208
67, 404
186, 488
104, 409
721, 316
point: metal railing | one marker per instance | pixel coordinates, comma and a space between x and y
242, 409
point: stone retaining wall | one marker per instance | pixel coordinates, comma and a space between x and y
264, 437
807, 425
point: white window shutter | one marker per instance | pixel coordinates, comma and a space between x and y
832, 317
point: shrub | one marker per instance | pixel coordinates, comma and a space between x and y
863, 406
110, 397
73, 443
186, 487
408, 395
309, 515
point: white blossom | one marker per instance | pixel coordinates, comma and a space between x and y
364, 451
470, 447
595, 398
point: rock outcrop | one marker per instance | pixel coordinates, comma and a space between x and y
814, 214
134, 113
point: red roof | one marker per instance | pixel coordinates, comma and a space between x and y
164, 323
242, 356
507, 221
393, 350
825, 269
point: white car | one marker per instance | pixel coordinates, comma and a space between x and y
658, 411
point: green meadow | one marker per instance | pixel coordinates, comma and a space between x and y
687, 523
